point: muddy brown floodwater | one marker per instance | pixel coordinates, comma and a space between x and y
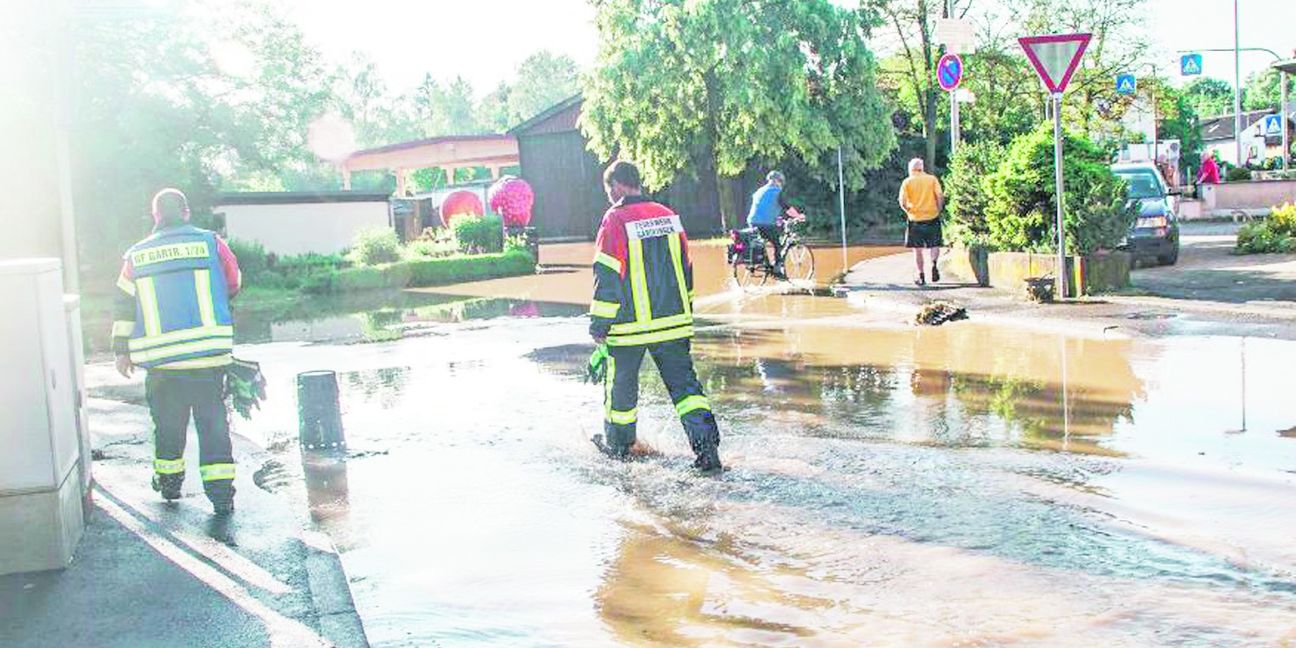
887, 485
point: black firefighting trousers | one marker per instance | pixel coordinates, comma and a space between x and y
173, 397
621, 398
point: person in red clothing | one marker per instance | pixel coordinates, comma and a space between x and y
174, 320
1210, 172
643, 304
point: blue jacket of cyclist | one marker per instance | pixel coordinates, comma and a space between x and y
767, 208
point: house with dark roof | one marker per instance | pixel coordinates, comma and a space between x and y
1217, 135
568, 180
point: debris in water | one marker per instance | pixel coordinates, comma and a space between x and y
1039, 289
939, 312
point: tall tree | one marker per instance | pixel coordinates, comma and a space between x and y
913, 23
543, 79
1210, 97
1262, 91
712, 85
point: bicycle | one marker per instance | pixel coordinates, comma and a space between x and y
752, 257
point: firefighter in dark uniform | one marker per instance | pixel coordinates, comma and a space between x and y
174, 320
643, 294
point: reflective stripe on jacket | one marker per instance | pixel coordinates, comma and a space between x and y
182, 307
643, 279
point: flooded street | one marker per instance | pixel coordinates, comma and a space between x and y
887, 485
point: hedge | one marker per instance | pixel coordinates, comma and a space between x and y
419, 273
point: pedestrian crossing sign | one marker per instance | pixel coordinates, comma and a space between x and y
1190, 65
1272, 126
1126, 84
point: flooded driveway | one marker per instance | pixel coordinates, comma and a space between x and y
887, 485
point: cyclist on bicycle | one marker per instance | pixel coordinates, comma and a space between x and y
767, 208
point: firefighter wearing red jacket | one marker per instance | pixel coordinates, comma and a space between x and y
643, 294
174, 320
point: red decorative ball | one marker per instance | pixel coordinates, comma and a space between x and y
512, 198
460, 203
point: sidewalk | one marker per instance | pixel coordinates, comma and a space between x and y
887, 284
148, 573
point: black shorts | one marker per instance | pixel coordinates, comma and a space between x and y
924, 234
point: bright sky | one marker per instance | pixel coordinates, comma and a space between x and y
484, 40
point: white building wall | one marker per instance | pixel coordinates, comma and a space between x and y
300, 228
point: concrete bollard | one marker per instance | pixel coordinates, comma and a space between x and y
318, 412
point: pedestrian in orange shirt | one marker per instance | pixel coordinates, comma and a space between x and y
922, 201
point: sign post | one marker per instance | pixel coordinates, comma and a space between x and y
1055, 58
949, 74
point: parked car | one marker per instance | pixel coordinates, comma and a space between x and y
1155, 233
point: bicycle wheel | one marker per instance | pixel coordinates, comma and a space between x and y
798, 264
746, 275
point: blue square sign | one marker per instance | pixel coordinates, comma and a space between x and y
1190, 64
1272, 126
1126, 84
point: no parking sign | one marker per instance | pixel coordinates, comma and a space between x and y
949, 72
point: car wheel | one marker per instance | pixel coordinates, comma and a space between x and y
1169, 259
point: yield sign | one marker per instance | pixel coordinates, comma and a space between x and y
1055, 57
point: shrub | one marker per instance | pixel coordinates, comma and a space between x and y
427, 248
965, 188
253, 260
1283, 219
1020, 206
1275, 235
438, 272
479, 234
1237, 174
375, 246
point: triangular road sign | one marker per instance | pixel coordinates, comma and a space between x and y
1055, 57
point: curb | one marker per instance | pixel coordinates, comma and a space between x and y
330, 592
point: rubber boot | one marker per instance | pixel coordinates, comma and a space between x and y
168, 486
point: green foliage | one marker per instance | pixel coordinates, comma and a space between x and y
966, 193
375, 246
458, 269
253, 260
479, 234
1237, 174
1277, 234
1020, 212
543, 80
425, 272
1209, 97
1262, 91
715, 85
427, 248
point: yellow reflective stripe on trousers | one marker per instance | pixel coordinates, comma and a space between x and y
608, 380
639, 282
126, 285
168, 466
652, 325
604, 309
651, 338
183, 335
217, 472
623, 418
175, 350
147, 297
203, 291
122, 329
677, 260
609, 261
692, 403
197, 363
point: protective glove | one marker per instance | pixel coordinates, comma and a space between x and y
596, 372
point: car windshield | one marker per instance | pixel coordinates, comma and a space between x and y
1142, 185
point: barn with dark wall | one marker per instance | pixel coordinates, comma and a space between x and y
568, 181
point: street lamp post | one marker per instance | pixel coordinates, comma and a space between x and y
1237, 84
